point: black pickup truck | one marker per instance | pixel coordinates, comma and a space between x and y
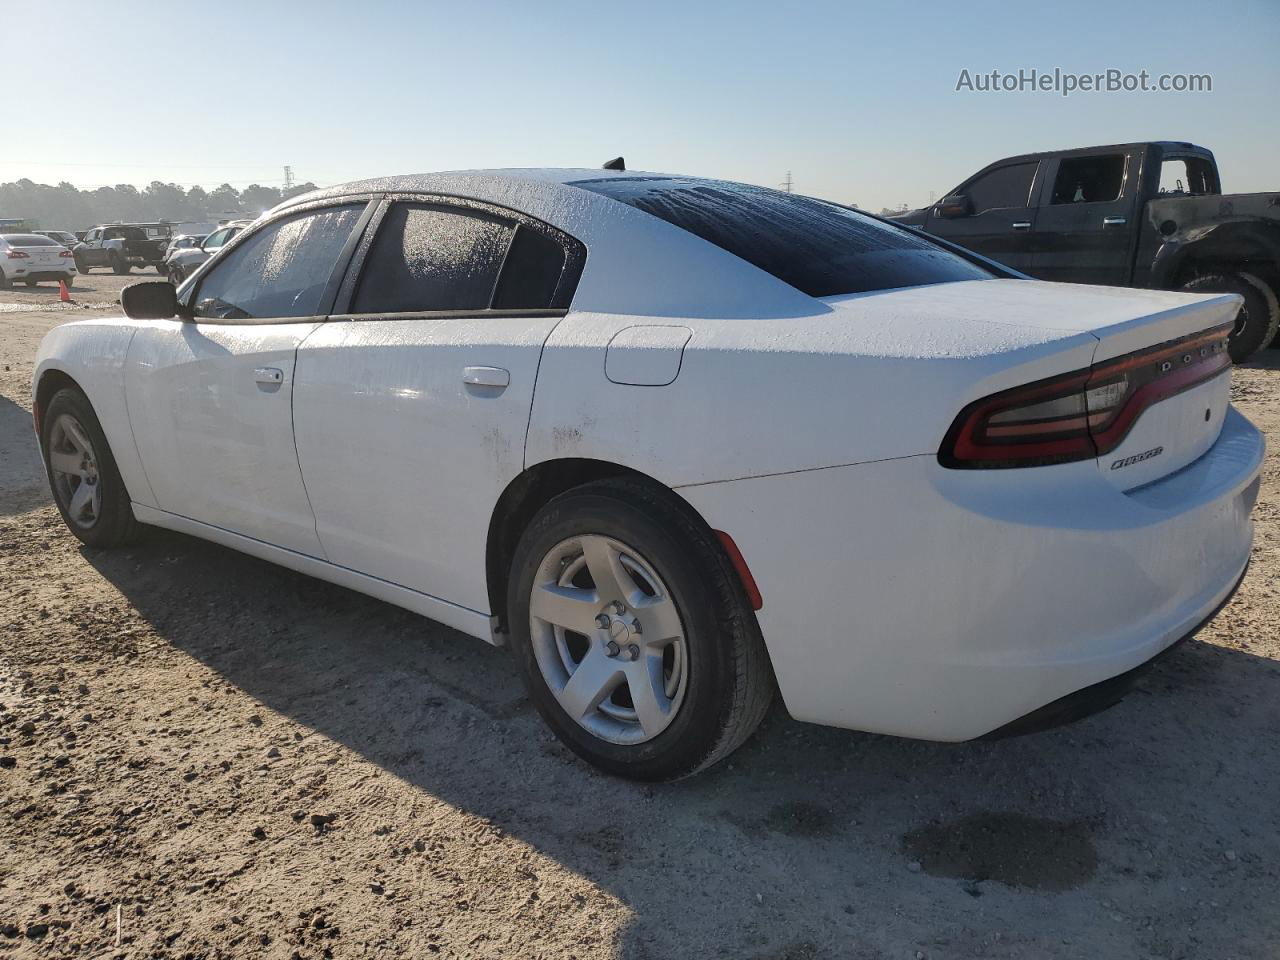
123, 246
1131, 215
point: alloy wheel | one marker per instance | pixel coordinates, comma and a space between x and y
608, 639
74, 467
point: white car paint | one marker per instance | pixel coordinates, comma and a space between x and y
26, 257
898, 596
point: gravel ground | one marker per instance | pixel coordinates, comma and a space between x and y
202, 755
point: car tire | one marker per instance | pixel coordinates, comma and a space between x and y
1259, 317
70, 280
119, 267
4, 281
81, 266
175, 275
704, 692
30, 283
69, 429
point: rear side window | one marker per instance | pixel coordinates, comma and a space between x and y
1095, 179
280, 271
819, 248
432, 257
426, 257
1002, 188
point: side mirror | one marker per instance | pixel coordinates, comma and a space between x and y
150, 300
956, 205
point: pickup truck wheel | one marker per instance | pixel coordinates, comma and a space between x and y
1257, 320
81, 266
175, 275
119, 266
4, 281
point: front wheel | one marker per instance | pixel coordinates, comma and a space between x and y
83, 477
175, 275
633, 634
119, 266
1257, 320
81, 266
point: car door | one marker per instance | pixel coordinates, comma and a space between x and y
210, 399
1002, 216
411, 408
89, 250
1085, 227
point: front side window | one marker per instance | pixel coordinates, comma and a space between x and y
1002, 188
280, 271
819, 248
429, 257
1095, 179
217, 239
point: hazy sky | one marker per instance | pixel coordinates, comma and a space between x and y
858, 101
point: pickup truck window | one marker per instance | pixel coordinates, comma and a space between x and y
1187, 176
1003, 187
1095, 179
819, 248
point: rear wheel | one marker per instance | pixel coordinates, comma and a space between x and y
70, 280
633, 635
30, 283
83, 477
1257, 320
4, 281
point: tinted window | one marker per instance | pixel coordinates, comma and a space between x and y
428, 257
817, 247
1089, 179
1006, 187
531, 272
217, 239
280, 271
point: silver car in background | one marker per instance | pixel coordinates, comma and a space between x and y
180, 264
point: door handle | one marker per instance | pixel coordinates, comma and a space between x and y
486, 376
268, 375
1021, 225
1114, 221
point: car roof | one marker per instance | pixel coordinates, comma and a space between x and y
1167, 146
626, 247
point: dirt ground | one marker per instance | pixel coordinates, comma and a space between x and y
207, 756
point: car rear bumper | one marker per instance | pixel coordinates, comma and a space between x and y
900, 597
46, 274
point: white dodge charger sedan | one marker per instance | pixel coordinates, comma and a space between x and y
680, 443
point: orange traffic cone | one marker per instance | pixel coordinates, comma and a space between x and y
64, 295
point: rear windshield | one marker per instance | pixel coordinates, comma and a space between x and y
819, 248
27, 240
125, 233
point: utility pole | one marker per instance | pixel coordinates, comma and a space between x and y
786, 184
288, 178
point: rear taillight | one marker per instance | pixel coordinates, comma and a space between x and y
17, 254
66, 253
1082, 414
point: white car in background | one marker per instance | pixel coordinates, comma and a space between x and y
32, 258
182, 262
680, 443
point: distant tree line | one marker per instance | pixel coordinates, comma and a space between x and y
66, 207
